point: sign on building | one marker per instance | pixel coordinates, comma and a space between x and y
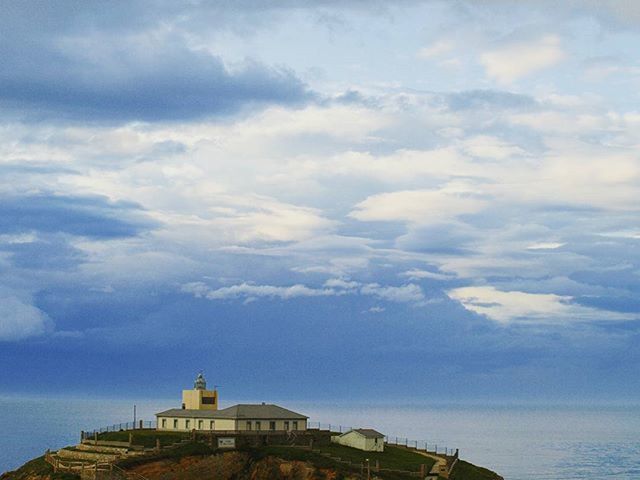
226, 442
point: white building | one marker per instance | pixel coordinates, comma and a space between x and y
200, 412
361, 438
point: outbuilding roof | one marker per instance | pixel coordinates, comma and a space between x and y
241, 411
366, 432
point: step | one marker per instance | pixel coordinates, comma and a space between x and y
80, 455
102, 449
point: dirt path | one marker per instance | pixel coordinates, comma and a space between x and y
439, 461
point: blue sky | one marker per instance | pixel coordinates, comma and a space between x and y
423, 200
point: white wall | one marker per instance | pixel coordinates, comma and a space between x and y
225, 424
355, 440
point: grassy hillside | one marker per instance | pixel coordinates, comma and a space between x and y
467, 471
195, 461
34, 469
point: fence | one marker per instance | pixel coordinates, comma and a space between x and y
422, 445
117, 427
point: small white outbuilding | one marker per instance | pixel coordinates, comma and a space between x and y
365, 439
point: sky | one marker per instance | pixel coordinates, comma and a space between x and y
408, 201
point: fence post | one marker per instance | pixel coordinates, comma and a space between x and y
130, 438
422, 470
140, 424
95, 438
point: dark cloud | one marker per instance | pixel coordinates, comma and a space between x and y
164, 81
94, 217
53, 253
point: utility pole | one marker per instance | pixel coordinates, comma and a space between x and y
134, 417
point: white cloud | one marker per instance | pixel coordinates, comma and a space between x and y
248, 290
485, 146
417, 274
376, 310
435, 49
409, 293
507, 307
512, 62
546, 246
419, 206
20, 320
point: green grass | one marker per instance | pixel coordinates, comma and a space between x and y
38, 467
187, 450
467, 471
144, 437
394, 458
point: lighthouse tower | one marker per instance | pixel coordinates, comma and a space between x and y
200, 398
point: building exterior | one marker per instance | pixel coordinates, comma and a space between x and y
200, 398
361, 438
200, 412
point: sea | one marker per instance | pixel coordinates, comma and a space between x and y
520, 442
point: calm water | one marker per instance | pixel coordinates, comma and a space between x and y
520, 443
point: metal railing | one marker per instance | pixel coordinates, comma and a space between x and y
421, 445
117, 427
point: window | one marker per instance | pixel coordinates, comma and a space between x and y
200, 423
249, 425
164, 423
272, 425
175, 423
187, 424
295, 425
257, 425
212, 425
286, 425
208, 400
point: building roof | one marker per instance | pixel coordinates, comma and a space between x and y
366, 432
241, 411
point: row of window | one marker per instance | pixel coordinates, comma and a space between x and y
272, 425
249, 425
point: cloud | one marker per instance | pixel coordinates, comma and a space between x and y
20, 320
512, 62
247, 290
88, 216
489, 100
435, 50
507, 307
419, 206
485, 146
417, 274
146, 76
546, 246
409, 293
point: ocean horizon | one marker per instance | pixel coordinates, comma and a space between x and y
518, 441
